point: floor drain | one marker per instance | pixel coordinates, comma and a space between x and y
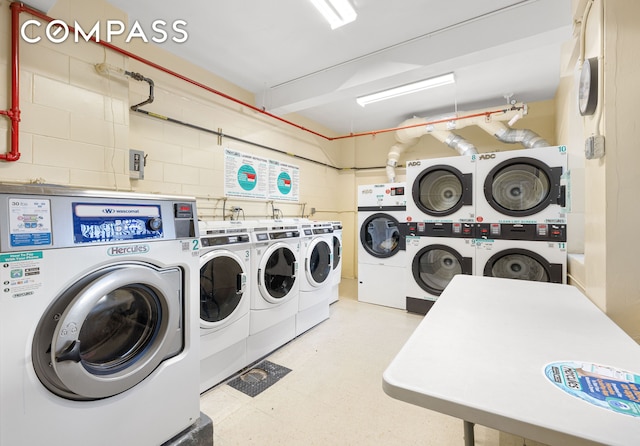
254, 376
259, 378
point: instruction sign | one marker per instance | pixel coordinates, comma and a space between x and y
603, 386
245, 175
249, 176
29, 222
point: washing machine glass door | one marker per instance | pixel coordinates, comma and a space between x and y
223, 280
109, 331
522, 186
318, 262
380, 235
337, 252
435, 265
522, 264
442, 190
277, 273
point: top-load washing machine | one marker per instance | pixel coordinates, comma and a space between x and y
441, 189
275, 258
316, 254
521, 186
225, 295
98, 316
336, 273
381, 247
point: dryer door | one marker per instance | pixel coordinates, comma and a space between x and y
110, 330
435, 265
277, 273
522, 264
442, 190
520, 187
380, 235
318, 262
223, 281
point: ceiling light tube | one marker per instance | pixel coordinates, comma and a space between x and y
425, 84
336, 12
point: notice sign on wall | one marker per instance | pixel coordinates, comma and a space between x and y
607, 387
245, 175
283, 181
249, 176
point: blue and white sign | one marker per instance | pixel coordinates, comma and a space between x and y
29, 222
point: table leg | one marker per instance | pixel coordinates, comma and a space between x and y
469, 439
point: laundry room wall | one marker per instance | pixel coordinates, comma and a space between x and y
608, 271
76, 127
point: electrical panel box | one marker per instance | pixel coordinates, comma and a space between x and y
136, 164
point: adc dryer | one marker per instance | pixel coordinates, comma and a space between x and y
441, 189
98, 316
527, 252
521, 186
436, 252
225, 294
381, 254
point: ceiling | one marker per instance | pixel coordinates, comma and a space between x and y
287, 55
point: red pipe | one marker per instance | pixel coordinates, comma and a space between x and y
14, 113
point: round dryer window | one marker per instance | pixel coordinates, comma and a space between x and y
521, 186
441, 190
380, 235
222, 284
109, 331
435, 265
522, 264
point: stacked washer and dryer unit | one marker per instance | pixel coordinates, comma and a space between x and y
98, 319
496, 214
381, 247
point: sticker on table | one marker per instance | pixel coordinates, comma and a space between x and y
608, 387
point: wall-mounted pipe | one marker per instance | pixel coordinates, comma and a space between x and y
14, 112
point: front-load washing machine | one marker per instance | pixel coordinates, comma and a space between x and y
336, 272
316, 254
275, 293
441, 189
521, 186
436, 252
381, 250
542, 261
225, 294
98, 316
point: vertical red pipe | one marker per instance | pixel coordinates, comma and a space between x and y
14, 112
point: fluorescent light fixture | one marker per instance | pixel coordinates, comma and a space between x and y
336, 12
425, 84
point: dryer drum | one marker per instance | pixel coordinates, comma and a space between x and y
442, 190
434, 266
518, 264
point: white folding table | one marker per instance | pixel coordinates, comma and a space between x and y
481, 351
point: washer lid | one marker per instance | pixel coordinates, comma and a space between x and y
223, 282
